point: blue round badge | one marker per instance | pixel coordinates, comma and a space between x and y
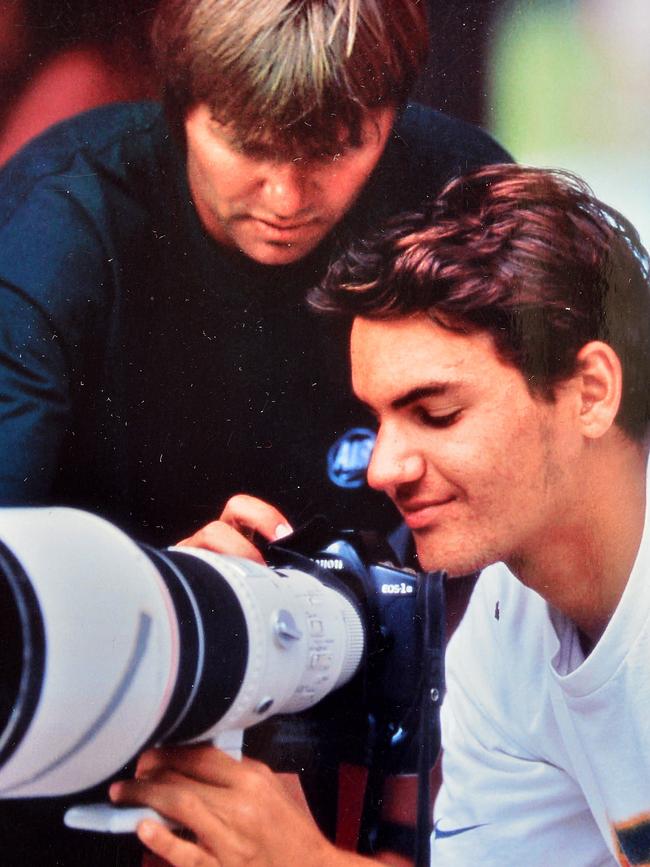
348, 458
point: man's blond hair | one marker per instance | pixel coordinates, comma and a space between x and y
298, 73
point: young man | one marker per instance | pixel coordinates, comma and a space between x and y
502, 340
156, 353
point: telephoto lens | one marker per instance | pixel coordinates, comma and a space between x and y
109, 647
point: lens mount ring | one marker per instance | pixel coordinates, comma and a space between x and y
22, 655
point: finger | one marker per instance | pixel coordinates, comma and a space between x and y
187, 793
146, 763
253, 515
176, 799
223, 539
154, 759
177, 852
203, 763
187, 759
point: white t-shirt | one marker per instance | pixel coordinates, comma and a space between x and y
547, 754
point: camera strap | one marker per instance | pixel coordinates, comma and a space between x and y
430, 610
430, 641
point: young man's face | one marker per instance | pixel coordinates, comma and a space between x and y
479, 468
275, 210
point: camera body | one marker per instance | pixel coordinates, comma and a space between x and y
375, 717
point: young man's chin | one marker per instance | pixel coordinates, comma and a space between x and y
446, 556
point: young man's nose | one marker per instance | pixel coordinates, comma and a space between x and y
392, 464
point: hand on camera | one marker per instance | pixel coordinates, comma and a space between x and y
242, 519
238, 812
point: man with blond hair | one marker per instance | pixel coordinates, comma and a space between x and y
156, 353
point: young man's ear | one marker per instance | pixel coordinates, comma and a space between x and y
600, 380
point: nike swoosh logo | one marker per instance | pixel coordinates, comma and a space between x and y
438, 834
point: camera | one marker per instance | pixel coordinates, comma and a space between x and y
110, 646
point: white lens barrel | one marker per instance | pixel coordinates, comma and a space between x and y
97, 666
305, 639
111, 650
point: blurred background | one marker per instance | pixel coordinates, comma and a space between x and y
562, 83
57, 59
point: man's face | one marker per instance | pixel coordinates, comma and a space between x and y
275, 210
479, 468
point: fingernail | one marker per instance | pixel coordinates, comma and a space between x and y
282, 530
145, 830
114, 791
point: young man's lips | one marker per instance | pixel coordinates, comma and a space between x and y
420, 514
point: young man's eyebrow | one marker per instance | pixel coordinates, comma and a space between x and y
432, 389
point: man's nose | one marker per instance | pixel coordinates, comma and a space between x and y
286, 189
393, 463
